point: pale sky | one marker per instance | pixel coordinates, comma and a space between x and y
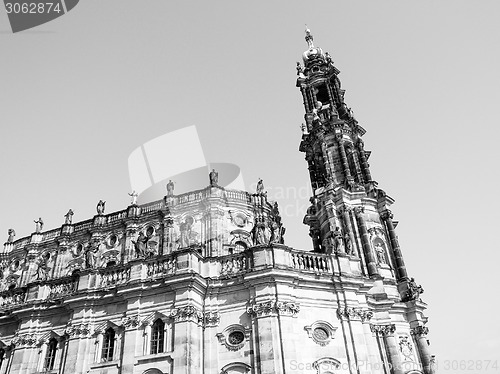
79, 94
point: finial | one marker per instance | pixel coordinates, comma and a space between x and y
309, 38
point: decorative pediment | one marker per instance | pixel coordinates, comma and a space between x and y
57, 334
104, 326
151, 318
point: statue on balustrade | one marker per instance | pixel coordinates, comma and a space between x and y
38, 225
214, 177
68, 217
133, 195
260, 187
100, 207
170, 188
12, 235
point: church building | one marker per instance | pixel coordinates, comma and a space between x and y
203, 282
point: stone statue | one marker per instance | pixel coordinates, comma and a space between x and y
12, 235
379, 250
90, 256
337, 240
38, 225
259, 234
260, 187
185, 239
414, 291
43, 270
348, 243
100, 207
141, 245
68, 217
214, 177
328, 58
133, 195
170, 188
299, 68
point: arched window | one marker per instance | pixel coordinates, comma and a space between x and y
108, 345
50, 356
157, 337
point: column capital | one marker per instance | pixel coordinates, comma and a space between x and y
383, 330
419, 331
359, 210
387, 215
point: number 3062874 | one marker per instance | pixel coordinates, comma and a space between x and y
32, 8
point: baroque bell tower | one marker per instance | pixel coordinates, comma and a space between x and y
349, 219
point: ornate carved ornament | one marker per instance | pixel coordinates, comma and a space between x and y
383, 330
187, 313
406, 348
82, 329
349, 313
419, 331
359, 210
211, 319
273, 307
321, 332
26, 340
132, 321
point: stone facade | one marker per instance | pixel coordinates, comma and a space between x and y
203, 283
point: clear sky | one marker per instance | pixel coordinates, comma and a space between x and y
79, 94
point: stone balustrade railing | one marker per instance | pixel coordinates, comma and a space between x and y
314, 262
188, 261
58, 290
111, 278
161, 267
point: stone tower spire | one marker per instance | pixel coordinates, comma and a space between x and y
348, 213
349, 217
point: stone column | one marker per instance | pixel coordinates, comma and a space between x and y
391, 346
400, 265
307, 105
359, 172
365, 241
419, 333
343, 157
188, 339
364, 161
268, 347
